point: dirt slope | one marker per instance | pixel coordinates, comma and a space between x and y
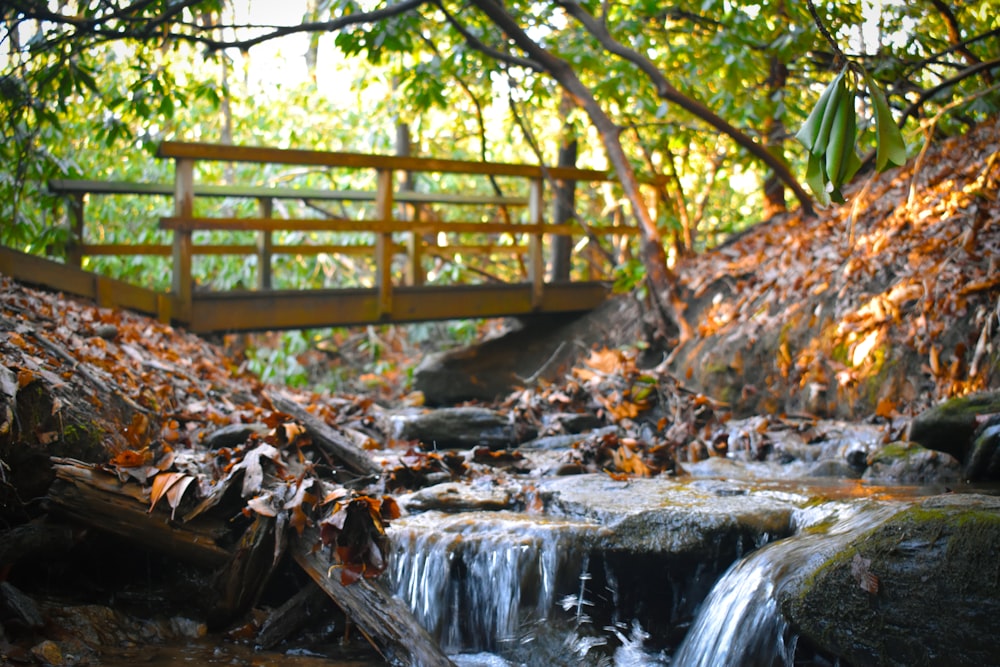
882, 305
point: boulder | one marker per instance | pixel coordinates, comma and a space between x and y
909, 463
541, 348
921, 588
949, 426
984, 460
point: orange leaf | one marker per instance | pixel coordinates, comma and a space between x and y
130, 458
161, 484
886, 408
24, 378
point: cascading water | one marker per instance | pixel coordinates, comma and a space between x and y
739, 623
475, 580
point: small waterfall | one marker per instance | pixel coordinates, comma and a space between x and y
475, 580
739, 623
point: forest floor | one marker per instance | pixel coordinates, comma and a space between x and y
871, 311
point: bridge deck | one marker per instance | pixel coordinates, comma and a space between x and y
237, 311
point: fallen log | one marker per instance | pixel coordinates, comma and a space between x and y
385, 620
92, 497
325, 437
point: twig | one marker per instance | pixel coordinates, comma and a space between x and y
838, 55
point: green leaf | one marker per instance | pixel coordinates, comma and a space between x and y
889, 145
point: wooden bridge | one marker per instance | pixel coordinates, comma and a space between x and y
407, 236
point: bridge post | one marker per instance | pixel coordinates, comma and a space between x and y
183, 244
383, 242
536, 258
74, 211
265, 245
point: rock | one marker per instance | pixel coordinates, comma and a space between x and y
451, 497
663, 515
543, 348
464, 427
232, 435
833, 468
574, 422
921, 588
949, 426
984, 459
50, 654
19, 607
550, 442
909, 463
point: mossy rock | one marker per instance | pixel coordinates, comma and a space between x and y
909, 463
949, 427
923, 588
984, 460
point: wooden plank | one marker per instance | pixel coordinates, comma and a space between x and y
84, 186
378, 226
71, 280
385, 620
205, 151
289, 309
164, 250
265, 246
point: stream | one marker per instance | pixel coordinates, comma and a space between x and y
507, 588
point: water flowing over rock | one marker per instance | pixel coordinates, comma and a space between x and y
476, 580
919, 588
740, 622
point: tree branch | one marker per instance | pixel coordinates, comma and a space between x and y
667, 92
664, 283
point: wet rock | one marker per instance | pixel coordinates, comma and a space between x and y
50, 654
550, 442
463, 427
909, 463
833, 468
949, 426
984, 459
662, 515
452, 497
919, 589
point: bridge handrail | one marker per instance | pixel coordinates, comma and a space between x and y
80, 186
383, 223
178, 150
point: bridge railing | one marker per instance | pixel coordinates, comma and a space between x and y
397, 231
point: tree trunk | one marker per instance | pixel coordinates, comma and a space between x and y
774, 133
662, 281
565, 209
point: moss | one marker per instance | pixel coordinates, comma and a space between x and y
921, 556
